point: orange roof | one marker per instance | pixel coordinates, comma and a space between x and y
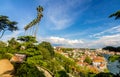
102, 65
98, 59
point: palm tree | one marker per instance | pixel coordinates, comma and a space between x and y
6, 24
36, 20
116, 15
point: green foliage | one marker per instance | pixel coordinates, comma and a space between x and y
27, 39
2, 44
44, 56
102, 74
12, 43
83, 74
88, 60
67, 63
30, 52
116, 15
36, 60
45, 53
48, 46
118, 49
27, 70
111, 48
7, 56
36, 20
3, 52
53, 66
11, 50
114, 58
6, 24
61, 73
106, 71
91, 75
66, 49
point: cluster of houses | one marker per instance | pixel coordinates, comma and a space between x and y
99, 63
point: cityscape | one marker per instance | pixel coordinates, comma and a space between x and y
59, 38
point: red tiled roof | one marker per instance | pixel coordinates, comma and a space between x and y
98, 59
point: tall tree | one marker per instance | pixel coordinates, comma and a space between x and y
6, 24
116, 15
35, 21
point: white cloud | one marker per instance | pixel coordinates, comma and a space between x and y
112, 40
111, 31
62, 41
102, 41
109, 37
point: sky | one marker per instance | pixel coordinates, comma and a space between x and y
67, 23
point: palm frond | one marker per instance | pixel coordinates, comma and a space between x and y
36, 20
116, 15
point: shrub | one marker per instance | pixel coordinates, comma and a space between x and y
27, 70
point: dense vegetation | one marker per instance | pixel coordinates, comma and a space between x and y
88, 60
114, 58
6, 24
111, 48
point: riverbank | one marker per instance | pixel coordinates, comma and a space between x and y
112, 66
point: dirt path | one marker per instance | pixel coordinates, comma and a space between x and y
47, 74
6, 68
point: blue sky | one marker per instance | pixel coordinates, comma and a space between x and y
68, 23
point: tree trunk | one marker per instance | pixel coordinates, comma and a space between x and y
37, 26
2, 34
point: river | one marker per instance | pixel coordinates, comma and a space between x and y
112, 66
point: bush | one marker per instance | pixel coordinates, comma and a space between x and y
88, 60
61, 73
27, 70
114, 58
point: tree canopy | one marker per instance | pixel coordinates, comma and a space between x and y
27, 39
116, 15
111, 48
6, 24
88, 60
48, 46
33, 24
